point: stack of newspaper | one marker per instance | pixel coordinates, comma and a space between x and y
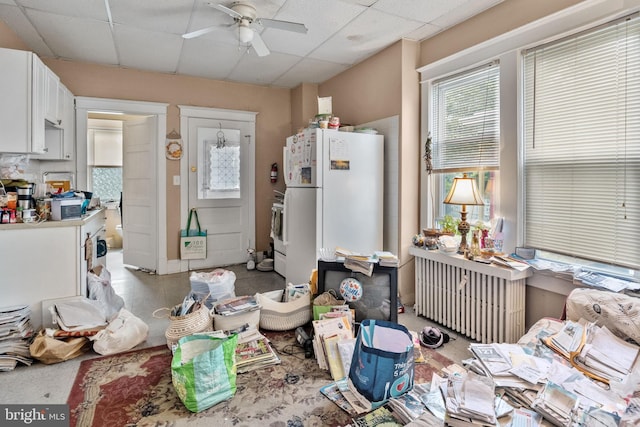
15, 334
254, 351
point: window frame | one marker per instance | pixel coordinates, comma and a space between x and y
507, 47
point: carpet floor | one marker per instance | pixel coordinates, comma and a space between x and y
135, 389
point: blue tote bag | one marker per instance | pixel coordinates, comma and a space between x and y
382, 366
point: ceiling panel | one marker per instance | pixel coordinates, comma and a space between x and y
146, 34
170, 16
367, 34
148, 50
270, 68
72, 37
205, 58
309, 71
325, 22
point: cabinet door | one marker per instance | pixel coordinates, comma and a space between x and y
51, 96
69, 125
15, 108
38, 105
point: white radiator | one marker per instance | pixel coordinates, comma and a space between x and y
483, 302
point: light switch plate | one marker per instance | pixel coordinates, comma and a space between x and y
176, 180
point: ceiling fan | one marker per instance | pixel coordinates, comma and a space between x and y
245, 18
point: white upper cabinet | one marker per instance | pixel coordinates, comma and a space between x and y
37, 112
21, 85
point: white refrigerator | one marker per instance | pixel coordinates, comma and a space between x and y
334, 196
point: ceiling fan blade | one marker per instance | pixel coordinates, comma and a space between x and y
258, 45
198, 33
283, 25
226, 10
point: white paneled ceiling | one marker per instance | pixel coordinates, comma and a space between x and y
147, 34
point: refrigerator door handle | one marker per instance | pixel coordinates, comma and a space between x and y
285, 216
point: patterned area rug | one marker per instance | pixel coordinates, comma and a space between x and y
135, 389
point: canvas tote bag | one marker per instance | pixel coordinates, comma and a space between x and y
382, 365
193, 242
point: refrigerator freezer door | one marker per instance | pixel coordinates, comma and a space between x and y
300, 160
300, 233
351, 204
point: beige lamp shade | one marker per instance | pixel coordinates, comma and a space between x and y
464, 192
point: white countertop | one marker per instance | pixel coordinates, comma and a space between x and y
48, 224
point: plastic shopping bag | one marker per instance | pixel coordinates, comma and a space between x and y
203, 370
382, 365
100, 289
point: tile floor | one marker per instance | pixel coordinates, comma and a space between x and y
143, 294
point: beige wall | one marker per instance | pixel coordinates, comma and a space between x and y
304, 105
273, 122
500, 19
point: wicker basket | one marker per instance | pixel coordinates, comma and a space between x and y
284, 316
181, 326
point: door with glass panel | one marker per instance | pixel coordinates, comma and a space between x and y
221, 188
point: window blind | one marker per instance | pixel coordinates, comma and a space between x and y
582, 144
466, 120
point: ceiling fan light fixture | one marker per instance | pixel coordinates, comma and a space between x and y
245, 34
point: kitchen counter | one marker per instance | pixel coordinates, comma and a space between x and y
89, 216
47, 261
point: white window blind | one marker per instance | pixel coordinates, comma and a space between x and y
466, 120
582, 144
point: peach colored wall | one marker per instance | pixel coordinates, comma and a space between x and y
503, 17
273, 122
410, 162
304, 105
368, 91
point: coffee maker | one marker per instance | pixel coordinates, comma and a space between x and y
25, 196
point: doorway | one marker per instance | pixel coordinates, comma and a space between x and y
145, 215
220, 166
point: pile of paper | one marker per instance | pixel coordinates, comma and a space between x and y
333, 344
386, 259
254, 351
15, 335
470, 401
237, 305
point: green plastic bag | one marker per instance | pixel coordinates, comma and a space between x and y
203, 370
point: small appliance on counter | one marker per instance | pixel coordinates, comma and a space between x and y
66, 207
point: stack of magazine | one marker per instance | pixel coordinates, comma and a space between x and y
254, 351
237, 305
16, 333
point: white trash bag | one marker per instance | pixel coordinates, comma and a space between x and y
219, 284
100, 289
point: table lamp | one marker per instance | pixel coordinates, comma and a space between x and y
463, 192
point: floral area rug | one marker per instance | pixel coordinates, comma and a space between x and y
135, 389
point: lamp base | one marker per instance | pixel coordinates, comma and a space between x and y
463, 229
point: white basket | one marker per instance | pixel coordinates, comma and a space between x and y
284, 316
232, 322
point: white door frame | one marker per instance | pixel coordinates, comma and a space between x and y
86, 104
187, 112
